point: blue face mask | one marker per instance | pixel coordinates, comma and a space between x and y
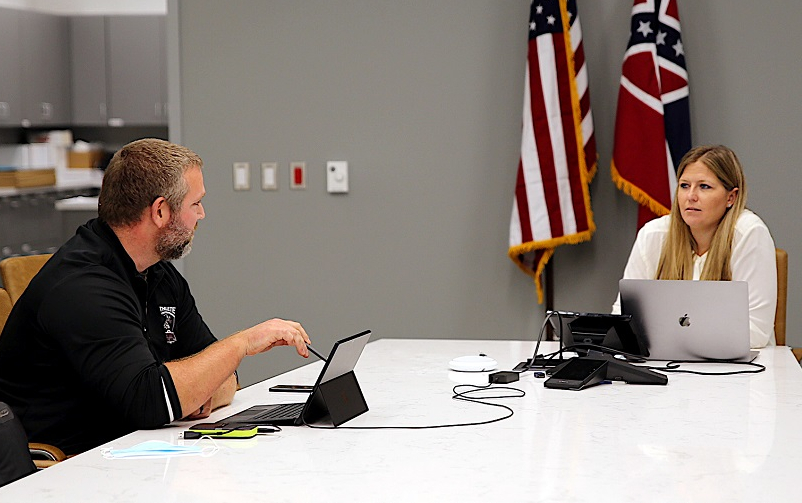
157, 449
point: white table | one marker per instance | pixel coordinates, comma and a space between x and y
724, 438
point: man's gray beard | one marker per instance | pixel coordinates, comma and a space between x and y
175, 241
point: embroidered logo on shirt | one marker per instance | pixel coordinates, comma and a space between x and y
169, 323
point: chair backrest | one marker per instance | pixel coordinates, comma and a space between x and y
782, 296
17, 272
5, 307
15, 458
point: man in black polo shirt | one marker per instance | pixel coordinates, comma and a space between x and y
107, 338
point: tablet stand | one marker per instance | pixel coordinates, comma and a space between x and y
336, 401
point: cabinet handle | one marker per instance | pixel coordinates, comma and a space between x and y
4, 109
47, 110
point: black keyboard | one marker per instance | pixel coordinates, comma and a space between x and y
285, 410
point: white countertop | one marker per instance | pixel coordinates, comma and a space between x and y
78, 203
699, 438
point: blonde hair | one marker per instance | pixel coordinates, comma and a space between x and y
138, 174
676, 258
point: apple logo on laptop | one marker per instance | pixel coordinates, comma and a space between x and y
685, 320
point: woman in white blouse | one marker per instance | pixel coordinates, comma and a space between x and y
710, 235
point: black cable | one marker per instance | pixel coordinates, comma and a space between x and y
464, 396
549, 356
673, 365
539, 338
457, 395
602, 349
549, 314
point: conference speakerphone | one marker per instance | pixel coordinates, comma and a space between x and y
581, 333
578, 373
583, 372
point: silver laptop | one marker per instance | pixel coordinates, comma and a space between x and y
690, 320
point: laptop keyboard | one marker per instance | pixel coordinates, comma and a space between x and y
284, 410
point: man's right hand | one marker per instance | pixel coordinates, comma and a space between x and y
275, 332
200, 376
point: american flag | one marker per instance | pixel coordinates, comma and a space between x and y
652, 126
558, 146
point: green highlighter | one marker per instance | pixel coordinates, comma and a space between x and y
241, 431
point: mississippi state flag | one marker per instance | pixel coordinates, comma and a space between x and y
652, 126
558, 146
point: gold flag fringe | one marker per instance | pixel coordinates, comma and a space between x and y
636, 192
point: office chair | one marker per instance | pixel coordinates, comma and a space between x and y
43, 455
782, 301
17, 272
782, 296
5, 307
15, 460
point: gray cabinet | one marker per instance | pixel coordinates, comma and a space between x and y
88, 70
10, 66
82, 70
119, 70
45, 40
137, 70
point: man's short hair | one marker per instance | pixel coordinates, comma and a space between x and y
138, 174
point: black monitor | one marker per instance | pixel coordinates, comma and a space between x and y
611, 331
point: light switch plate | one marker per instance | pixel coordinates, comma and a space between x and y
269, 174
242, 176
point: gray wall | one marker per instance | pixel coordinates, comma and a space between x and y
423, 99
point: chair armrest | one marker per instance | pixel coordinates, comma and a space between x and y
46, 452
44, 463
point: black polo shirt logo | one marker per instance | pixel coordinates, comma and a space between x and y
168, 312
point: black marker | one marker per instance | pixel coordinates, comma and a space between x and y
314, 352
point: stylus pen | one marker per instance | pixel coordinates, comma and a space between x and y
314, 352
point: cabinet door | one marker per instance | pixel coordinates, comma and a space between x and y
10, 68
136, 70
46, 69
88, 70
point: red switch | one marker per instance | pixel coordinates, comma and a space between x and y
297, 175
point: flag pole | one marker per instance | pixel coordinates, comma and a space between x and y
549, 295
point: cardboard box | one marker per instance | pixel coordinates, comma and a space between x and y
83, 160
28, 178
7, 178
